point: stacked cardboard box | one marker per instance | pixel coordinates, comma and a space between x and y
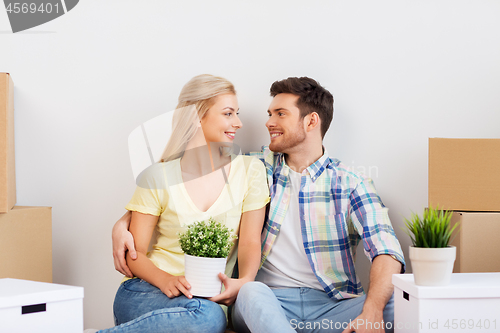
25, 232
464, 176
7, 160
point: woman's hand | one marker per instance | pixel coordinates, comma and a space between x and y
248, 256
232, 286
175, 285
142, 227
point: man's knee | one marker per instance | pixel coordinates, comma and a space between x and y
251, 289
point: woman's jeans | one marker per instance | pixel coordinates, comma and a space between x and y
142, 307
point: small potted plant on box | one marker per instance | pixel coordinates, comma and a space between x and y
206, 246
431, 255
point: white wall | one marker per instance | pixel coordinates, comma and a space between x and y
400, 72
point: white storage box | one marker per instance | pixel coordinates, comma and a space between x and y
470, 303
28, 306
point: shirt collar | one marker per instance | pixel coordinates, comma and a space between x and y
315, 170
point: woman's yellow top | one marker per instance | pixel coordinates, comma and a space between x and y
161, 192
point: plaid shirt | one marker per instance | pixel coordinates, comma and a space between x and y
338, 208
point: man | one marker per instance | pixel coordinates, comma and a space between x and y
319, 212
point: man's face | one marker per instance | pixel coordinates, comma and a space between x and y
285, 126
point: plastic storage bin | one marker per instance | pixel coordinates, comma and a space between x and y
29, 306
470, 303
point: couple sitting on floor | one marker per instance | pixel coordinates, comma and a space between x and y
295, 259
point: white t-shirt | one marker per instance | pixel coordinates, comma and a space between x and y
287, 265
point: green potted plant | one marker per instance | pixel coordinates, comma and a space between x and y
431, 256
206, 245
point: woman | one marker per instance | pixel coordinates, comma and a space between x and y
197, 178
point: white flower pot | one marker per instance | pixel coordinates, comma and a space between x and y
432, 266
203, 275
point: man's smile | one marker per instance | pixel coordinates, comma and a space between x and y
275, 134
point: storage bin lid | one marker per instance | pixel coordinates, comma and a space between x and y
462, 285
14, 292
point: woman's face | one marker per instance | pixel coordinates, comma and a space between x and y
221, 121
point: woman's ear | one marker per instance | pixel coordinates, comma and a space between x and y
198, 121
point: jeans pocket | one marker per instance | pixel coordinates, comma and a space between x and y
139, 286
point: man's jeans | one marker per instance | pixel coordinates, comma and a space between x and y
261, 309
141, 307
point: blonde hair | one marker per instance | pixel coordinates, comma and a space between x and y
195, 99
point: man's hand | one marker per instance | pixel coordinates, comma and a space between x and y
367, 323
371, 319
232, 288
123, 241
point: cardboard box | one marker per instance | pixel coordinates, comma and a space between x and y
26, 243
27, 306
478, 246
464, 174
469, 303
7, 164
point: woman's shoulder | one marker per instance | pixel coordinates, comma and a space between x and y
157, 174
248, 161
251, 165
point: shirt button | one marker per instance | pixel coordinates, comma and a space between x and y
284, 201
